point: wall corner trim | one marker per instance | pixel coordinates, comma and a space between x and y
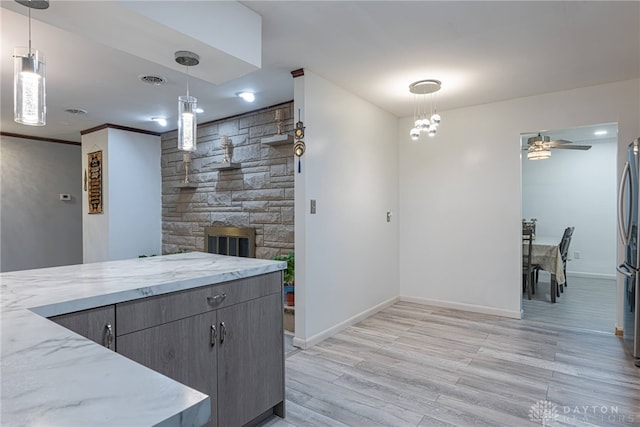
39, 138
112, 126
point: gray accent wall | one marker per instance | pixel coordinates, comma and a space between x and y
37, 229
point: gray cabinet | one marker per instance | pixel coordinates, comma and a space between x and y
97, 324
224, 340
183, 350
250, 360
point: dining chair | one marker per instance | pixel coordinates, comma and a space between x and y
527, 268
564, 252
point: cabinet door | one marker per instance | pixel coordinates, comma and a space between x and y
250, 359
97, 324
184, 350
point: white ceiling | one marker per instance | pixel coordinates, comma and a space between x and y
481, 51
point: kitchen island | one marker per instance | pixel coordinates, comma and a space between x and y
53, 376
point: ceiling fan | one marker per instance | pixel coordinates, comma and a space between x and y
539, 146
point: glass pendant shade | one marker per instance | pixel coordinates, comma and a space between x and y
29, 107
187, 123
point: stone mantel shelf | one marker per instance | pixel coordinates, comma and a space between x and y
278, 139
51, 375
225, 166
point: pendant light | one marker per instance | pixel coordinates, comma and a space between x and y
425, 117
187, 121
29, 106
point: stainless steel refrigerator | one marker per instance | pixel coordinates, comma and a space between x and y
628, 199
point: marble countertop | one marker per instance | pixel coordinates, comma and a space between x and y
52, 376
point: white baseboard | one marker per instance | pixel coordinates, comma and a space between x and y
315, 339
591, 275
513, 314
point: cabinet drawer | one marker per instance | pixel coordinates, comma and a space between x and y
247, 289
97, 324
148, 312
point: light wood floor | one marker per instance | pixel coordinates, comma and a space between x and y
415, 365
585, 304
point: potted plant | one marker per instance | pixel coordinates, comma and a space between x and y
288, 277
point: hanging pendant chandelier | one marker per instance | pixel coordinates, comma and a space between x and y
187, 120
425, 116
29, 97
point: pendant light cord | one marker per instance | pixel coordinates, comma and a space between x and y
29, 28
188, 97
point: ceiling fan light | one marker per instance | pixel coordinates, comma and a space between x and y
538, 153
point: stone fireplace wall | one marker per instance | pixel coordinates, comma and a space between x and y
260, 194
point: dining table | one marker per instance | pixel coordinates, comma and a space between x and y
545, 253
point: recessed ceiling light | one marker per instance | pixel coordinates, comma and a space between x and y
75, 111
600, 132
160, 120
247, 96
152, 80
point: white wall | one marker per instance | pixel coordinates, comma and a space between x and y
347, 253
37, 228
131, 223
135, 195
95, 227
460, 193
577, 188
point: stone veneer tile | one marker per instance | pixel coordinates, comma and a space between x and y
265, 217
259, 195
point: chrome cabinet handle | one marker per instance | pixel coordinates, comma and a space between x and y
223, 332
215, 300
108, 335
214, 334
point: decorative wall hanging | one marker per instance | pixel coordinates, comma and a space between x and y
186, 159
95, 182
299, 146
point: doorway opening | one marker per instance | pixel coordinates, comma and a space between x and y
572, 187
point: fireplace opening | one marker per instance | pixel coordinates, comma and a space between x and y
233, 241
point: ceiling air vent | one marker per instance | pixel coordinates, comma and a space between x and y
76, 111
153, 80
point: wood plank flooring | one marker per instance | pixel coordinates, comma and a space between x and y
585, 304
416, 365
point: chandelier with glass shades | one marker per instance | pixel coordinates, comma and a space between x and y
425, 117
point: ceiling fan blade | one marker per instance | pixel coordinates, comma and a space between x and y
561, 141
570, 147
